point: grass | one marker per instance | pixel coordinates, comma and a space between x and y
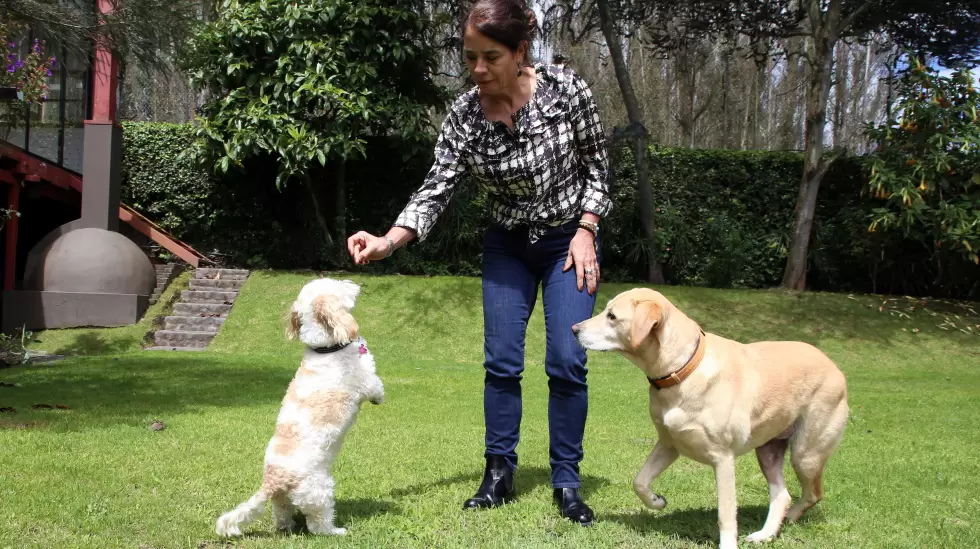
96, 476
105, 341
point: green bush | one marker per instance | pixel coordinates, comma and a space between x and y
172, 194
723, 218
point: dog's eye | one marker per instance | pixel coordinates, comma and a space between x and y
610, 316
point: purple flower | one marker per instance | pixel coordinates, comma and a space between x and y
13, 44
10, 68
49, 73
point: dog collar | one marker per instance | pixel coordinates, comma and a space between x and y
678, 376
334, 348
331, 349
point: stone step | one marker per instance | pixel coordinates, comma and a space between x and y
163, 281
235, 274
205, 284
180, 338
193, 323
199, 309
210, 296
164, 269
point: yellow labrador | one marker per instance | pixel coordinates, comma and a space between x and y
713, 399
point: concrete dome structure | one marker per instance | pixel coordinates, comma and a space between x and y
91, 260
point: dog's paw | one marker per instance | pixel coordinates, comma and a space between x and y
227, 529
658, 502
337, 531
653, 501
760, 537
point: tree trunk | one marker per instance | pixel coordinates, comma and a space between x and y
687, 93
754, 109
840, 93
321, 219
726, 82
814, 167
654, 271
891, 81
340, 198
789, 133
761, 77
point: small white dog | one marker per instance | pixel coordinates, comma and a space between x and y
336, 376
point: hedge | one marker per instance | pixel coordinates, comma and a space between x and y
723, 218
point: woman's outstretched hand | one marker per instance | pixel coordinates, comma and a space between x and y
364, 247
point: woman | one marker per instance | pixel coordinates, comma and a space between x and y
532, 136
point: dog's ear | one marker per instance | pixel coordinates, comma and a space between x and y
292, 325
329, 313
646, 317
353, 288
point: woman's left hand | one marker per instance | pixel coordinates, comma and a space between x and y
581, 253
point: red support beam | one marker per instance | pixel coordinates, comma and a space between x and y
161, 237
28, 165
105, 86
10, 232
8, 178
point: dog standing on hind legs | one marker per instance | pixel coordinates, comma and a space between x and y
336, 376
713, 399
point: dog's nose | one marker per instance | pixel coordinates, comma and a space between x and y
575, 329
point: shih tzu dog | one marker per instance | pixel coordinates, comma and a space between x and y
336, 376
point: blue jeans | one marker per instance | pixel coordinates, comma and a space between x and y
512, 271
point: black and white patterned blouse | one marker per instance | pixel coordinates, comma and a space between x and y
547, 171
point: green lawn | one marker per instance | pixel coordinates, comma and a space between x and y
95, 475
103, 341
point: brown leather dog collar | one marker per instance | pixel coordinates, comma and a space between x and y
678, 376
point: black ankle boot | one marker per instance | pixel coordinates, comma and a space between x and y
572, 507
497, 487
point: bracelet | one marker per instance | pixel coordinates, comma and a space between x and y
589, 226
391, 246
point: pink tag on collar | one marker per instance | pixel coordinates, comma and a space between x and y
362, 350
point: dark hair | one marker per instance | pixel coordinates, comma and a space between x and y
506, 21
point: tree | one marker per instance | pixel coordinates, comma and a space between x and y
945, 29
146, 30
579, 21
926, 167
307, 82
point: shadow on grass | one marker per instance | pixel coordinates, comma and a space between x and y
346, 511
90, 344
363, 509
105, 391
692, 525
424, 304
443, 308
526, 480
427, 304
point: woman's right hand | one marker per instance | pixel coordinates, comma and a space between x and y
364, 247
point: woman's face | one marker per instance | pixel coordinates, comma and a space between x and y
492, 65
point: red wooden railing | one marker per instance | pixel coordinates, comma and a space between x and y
20, 166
